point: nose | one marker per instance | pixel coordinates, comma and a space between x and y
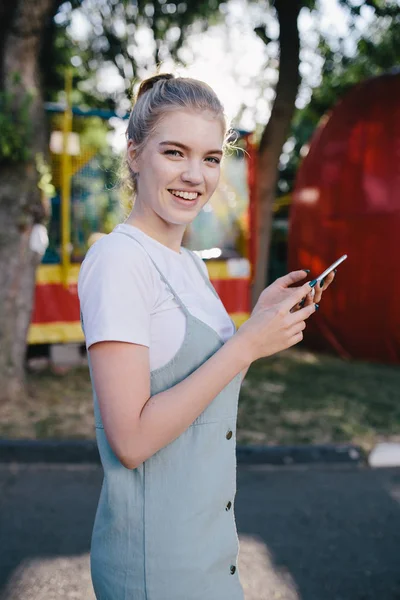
193, 173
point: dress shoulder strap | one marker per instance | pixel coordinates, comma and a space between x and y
169, 286
195, 259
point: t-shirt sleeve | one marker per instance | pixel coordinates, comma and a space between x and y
116, 291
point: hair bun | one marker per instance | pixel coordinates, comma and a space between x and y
147, 84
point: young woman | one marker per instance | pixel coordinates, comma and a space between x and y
166, 364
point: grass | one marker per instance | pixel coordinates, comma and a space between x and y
59, 405
296, 397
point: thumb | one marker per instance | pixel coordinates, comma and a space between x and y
292, 277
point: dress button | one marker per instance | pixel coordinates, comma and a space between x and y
233, 569
228, 506
229, 435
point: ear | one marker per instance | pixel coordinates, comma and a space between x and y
132, 157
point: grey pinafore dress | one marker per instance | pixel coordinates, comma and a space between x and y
166, 530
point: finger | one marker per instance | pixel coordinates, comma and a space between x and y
328, 280
302, 315
295, 297
323, 285
318, 293
296, 339
292, 277
297, 328
309, 299
298, 306
305, 301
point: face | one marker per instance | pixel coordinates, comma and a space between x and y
179, 167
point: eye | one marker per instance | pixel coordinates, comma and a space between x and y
173, 153
213, 159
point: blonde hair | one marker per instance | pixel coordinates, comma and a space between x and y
157, 95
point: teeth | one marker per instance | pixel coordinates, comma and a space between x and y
185, 195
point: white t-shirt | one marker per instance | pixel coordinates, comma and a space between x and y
123, 298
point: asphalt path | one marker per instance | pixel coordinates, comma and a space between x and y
306, 533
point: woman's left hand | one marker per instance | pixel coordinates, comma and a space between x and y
280, 289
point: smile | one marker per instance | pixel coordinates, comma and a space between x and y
185, 195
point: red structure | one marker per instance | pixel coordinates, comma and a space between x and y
347, 201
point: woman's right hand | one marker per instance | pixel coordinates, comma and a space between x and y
273, 329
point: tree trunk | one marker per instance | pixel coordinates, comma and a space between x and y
21, 28
275, 134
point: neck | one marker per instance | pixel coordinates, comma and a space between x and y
152, 225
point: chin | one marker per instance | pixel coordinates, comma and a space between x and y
180, 222
179, 219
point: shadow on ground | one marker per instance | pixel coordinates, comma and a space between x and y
306, 533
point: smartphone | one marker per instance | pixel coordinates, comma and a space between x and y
328, 270
323, 274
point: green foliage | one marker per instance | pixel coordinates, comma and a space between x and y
376, 53
381, 8
93, 133
45, 182
15, 124
113, 39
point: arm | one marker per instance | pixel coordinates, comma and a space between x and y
244, 372
138, 425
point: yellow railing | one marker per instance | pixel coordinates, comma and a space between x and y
66, 173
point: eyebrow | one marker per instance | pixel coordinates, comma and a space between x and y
180, 145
